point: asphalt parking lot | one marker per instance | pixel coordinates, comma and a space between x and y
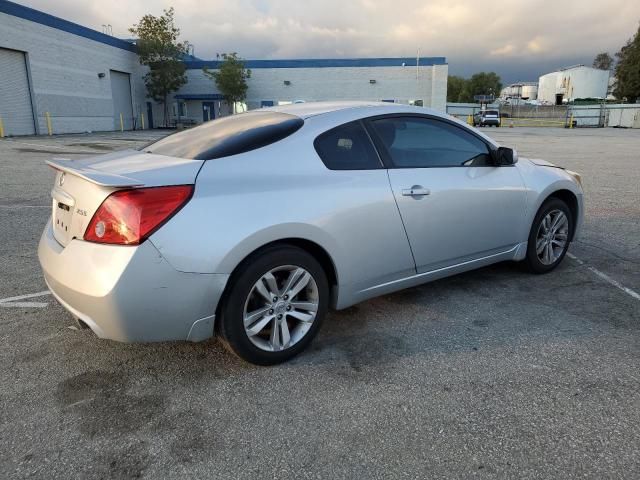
490, 374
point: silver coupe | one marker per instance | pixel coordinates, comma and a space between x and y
254, 225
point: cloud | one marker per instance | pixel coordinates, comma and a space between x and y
503, 51
504, 35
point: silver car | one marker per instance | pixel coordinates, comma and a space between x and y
254, 225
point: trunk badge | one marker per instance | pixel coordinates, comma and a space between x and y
61, 181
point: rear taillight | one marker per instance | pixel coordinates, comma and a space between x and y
128, 217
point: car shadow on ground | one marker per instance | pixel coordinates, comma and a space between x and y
490, 307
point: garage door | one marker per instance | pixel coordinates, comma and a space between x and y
121, 93
15, 100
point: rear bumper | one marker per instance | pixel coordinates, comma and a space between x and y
130, 294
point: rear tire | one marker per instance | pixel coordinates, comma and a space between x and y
270, 331
549, 237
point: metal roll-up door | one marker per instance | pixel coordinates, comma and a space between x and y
15, 99
121, 94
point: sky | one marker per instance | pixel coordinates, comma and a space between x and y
520, 40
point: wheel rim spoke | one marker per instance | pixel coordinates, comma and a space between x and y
294, 276
284, 333
251, 317
308, 306
561, 223
261, 288
275, 336
545, 223
259, 326
302, 316
299, 284
556, 220
272, 284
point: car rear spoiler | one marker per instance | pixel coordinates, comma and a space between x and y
94, 176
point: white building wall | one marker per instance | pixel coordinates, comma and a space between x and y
332, 83
584, 82
64, 71
547, 86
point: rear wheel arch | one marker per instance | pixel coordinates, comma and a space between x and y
309, 246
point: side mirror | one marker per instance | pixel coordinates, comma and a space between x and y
504, 156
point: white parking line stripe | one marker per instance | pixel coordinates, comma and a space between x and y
24, 305
606, 277
23, 297
25, 206
12, 302
40, 145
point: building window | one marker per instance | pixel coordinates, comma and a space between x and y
180, 109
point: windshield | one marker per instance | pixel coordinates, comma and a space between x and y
228, 136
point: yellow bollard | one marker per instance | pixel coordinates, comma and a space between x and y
142, 120
121, 124
571, 121
47, 116
470, 119
1, 128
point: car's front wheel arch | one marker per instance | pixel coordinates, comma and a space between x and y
571, 200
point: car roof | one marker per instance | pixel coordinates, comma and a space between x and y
331, 114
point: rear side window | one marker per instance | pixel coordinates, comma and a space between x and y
417, 142
347, 147
228, 136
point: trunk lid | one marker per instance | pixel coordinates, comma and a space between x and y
82, 185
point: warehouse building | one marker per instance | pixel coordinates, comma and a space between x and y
416, 81
55, 72
570, 83
62, 77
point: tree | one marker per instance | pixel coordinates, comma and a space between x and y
455, 87
628, 70
483, 83
231, 79
159, 49
603, 61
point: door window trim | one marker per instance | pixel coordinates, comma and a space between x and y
384, 155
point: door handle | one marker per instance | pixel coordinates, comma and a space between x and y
416, 191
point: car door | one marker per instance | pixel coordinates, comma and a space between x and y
456, 206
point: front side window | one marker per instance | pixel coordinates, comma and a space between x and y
418, 142
347, 147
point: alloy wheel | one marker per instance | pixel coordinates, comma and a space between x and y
280, 308
552, 237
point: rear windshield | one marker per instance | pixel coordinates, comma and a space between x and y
228, 136
491, 112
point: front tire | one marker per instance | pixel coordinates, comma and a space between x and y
550, 235
277, 301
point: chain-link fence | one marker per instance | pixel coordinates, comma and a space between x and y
563, 116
